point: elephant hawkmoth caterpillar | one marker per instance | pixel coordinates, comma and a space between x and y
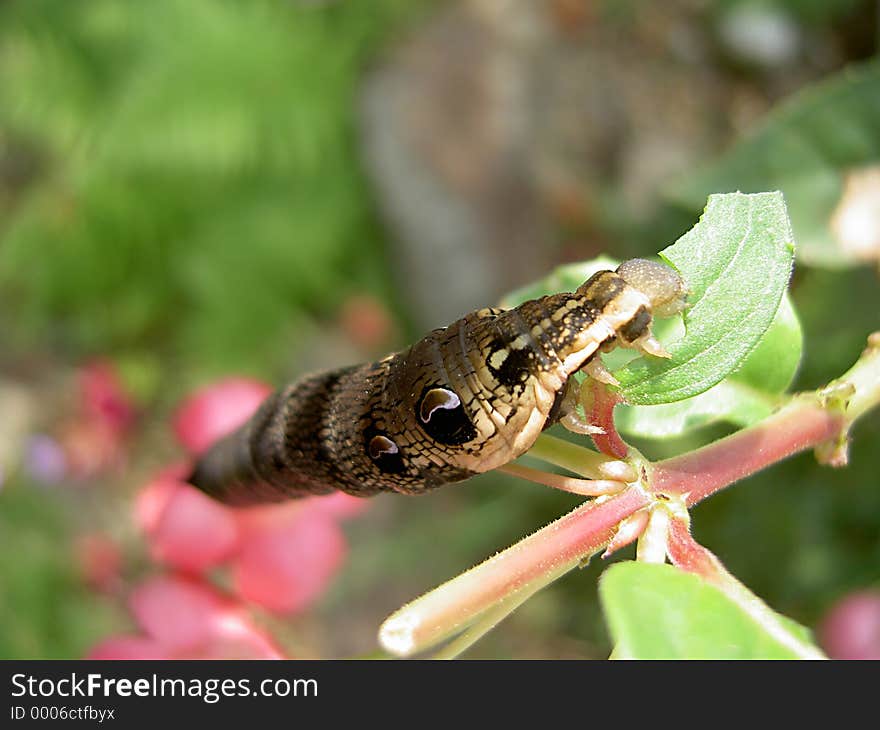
464, 399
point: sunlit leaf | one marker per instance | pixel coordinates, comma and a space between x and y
723, 326
743, 398
661, 612
737, 262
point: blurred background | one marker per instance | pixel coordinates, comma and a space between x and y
196, 189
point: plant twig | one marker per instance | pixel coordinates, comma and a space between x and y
580, 460
487, 593
809, 420
686, 553
547, 553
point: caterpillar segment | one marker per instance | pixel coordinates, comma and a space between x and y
464, 399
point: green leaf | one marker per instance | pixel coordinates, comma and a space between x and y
728, 401
661, 612
747, 295
161, 171
747, 396
805, 149
774, 362
737, 261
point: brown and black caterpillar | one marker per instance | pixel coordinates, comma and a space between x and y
465, 399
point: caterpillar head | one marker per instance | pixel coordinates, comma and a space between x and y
663, 285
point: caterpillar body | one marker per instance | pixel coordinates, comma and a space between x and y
464, 399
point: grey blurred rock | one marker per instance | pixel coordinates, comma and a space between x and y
501, 135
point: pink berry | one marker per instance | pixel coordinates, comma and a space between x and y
851, 628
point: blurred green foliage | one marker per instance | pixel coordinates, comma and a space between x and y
45, 609
190, 180
806, 148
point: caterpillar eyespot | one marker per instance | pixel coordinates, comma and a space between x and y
381, 446
437, 399
462, 400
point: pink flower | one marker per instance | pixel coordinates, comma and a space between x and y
186, 529
217, 410
182, 618
288, 556
851, 628
99, 561
281, 557
153, 498
103, 396
93, 439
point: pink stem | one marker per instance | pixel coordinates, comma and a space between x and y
687, 554
554, 548
573, 485
601, 401
700, 473
629, 531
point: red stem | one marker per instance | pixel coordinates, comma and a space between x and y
574, 535
556, 547
799, 426
688, 554
602, 401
